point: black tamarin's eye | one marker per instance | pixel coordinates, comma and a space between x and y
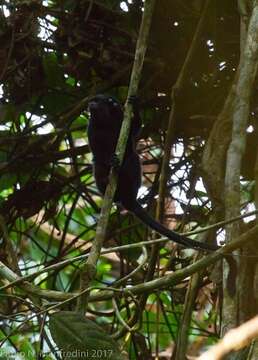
113, 102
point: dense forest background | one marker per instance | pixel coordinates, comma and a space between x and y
54, 56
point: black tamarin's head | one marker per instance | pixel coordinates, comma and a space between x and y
105, 108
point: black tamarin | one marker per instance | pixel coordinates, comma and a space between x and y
106, 116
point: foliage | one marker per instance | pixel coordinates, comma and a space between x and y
77, 336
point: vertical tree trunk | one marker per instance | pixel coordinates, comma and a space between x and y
236, 309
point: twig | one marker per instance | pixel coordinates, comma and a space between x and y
137, 269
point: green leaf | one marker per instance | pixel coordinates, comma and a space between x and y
53, 71
80, 338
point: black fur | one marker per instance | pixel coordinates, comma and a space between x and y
106, 116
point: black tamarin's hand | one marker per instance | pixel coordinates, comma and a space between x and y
115, 163
135, 102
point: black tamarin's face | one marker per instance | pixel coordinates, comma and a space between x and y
105, 109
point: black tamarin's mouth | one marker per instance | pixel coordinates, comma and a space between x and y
93, 105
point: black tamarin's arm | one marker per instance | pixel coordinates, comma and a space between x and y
134, 131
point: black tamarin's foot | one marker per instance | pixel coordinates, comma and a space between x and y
115, 163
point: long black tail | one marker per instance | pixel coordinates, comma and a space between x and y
172, 235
